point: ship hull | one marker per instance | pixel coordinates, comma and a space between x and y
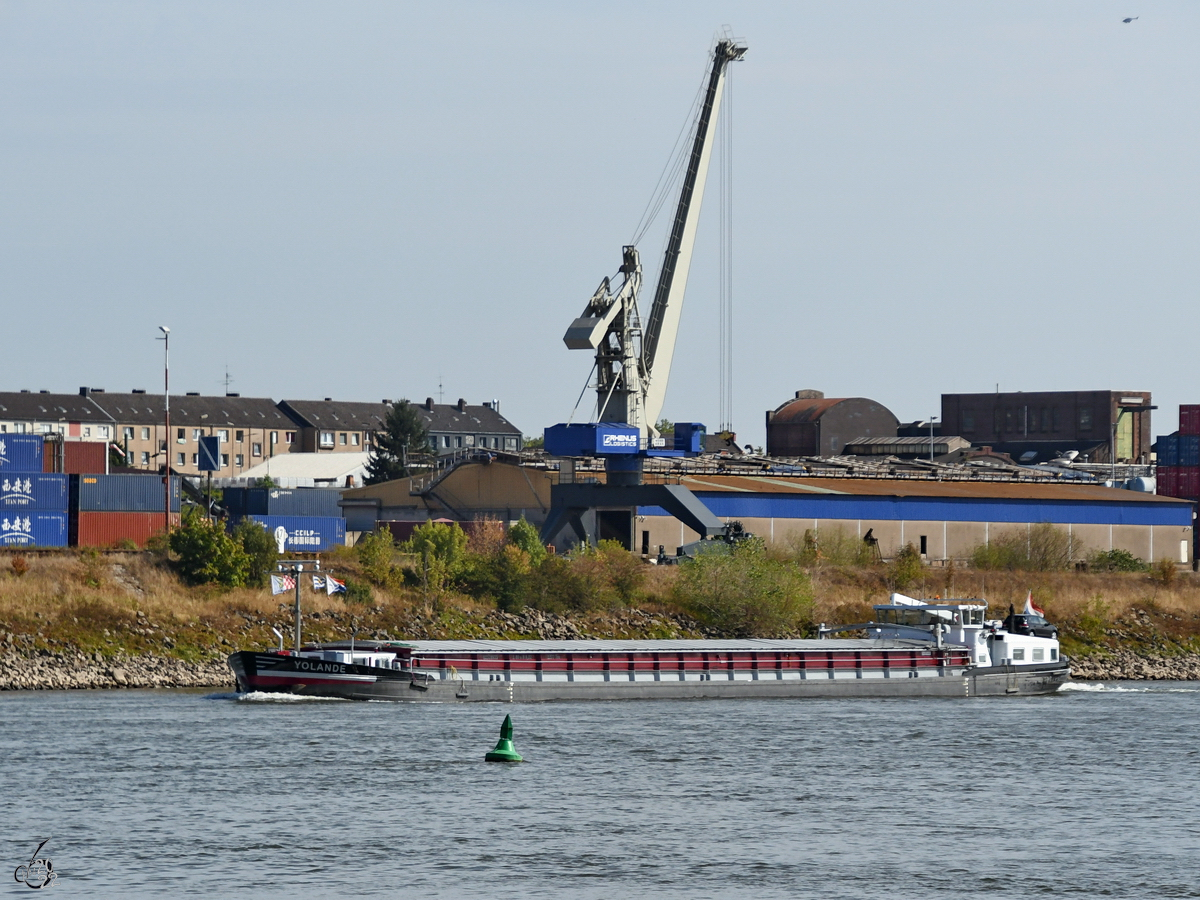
272, 672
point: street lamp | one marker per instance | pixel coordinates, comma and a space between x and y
166, 339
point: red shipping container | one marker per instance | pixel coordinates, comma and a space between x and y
76, 457
1164, 481
1189, 418
1189, 482
111, 529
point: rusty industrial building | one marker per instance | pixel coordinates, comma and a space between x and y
812, 424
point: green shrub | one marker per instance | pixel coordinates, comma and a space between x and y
205, 554
358, 594
376, 552
746, 593
442, 549
1164, 571
906, 568
526, 536
1116, 561
833, 546
261, 551
1043, 548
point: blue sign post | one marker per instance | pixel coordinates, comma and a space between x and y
210, 461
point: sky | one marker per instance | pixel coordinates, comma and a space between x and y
366, 200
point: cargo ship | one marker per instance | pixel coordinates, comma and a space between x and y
913, 649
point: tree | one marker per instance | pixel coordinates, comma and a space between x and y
442, 548
260, 549
524, 535
207, 555
404, 435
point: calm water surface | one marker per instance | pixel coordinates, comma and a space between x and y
1092, 793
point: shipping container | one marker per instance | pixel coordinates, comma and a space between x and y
1188, 483
116, 529
1189, 449
1189, 419
1167, 449
1165, 482
303, 533
121, 493
35, 490
33, 528
21, 452
75, 457
282, 502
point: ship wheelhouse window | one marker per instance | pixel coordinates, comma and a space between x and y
1038, 654
1053, 654
1018, 653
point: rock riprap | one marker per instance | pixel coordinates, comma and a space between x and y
1127, 665
76, 671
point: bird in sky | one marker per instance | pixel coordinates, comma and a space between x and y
1130, 19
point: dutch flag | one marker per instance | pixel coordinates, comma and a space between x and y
1030, 609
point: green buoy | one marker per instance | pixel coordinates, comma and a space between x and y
504, 751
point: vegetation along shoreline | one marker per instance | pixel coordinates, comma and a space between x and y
169, 616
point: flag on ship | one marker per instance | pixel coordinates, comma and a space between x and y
1030, 609
281, 584
333, 586
318, 583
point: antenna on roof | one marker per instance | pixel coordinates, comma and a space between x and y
440, 392
227, 380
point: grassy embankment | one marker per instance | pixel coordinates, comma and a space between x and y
133, 603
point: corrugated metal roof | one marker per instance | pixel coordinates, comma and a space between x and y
882, 487
800, 411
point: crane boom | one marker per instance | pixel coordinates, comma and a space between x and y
658, 343
632, 367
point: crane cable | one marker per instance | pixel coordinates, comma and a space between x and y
725, 276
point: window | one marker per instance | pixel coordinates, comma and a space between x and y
1085, 418
181, 435
342, 439
223, 436
197, 433
239, 460
46, 429
102, 431
510, 443
289, 437
274, 437
145, 457
145, 434
1018, 653
239, 436
446, 440
470, 440
195, 459
128, 433
326, 438
1038, 654
1053, 653
180, 459
968, 421
458, 441
1045, 419
256, 449
1008, 420
224, 460
354, 439
162, 446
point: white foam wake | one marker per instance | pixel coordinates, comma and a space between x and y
1094, 687
271, 697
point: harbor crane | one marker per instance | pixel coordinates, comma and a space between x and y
633, 364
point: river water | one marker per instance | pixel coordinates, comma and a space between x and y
1091, 792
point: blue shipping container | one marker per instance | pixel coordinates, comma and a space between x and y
33, 528
21, 452
305, 533
121, 493
1189, 449
1167, 449
35, 490
282, 502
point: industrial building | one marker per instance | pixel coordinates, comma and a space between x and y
812, 424
942, 519
1039, 426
